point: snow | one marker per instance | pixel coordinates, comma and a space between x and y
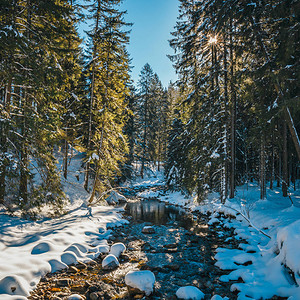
30, 249
189, 293
141, 280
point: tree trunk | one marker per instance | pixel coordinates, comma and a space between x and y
3, 140
273, 166
262, 170
233, 117
290, 123
285, 162
87, 166
66, 146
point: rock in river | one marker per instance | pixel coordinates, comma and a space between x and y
140, 282
148, 229
110, 262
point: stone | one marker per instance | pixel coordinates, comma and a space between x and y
72, 270
94, 296
189, 292
81, 266
170, 246
78, 289
75, 297
117, 249
148, 230
172, 250
173, 267
140, 282
110, 262
63, 282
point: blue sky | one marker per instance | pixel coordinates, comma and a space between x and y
153, 21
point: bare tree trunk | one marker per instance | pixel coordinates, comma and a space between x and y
285, 162
66, 146
290, 123
262, 170
279, 170
233, 116
144, 137
23, 188
3, 139
273, 166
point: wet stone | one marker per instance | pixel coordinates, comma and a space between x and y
148, 230
81, 266
63, 282
72, 270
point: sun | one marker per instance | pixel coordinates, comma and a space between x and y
213, 40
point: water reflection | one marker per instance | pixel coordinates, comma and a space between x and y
159, 213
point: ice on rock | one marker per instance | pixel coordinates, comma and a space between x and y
141, 280
189, 293
110, 262
117, 249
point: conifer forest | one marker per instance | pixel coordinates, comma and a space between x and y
226, 131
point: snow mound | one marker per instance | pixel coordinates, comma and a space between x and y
117, 249
110, 262
189, 293
42, 248
288, 240
13, 285
141, 280
115, 198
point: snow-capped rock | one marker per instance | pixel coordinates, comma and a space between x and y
115, 198
189, 293
143, 281
117, 249
110, 262
75, 297
148, 229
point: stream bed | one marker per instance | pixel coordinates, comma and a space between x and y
179, 252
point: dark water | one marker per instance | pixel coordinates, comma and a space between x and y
159, 213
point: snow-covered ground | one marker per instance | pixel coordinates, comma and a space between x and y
30, 249
269, 263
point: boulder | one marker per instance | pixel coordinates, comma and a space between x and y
140, 282
189, 293
117, 249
